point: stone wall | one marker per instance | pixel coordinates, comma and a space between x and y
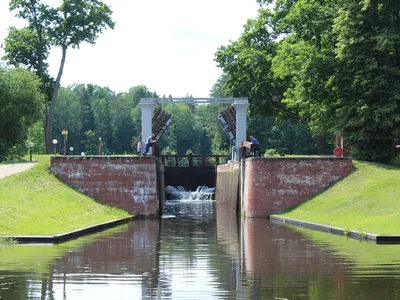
275, 184
129, 183
227, 188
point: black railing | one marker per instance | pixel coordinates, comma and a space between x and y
192, 160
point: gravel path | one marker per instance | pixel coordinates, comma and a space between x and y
7, 170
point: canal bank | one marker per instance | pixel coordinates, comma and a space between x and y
204, 253
35, 202
366, 201
363, 207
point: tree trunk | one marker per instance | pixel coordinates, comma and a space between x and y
49, 117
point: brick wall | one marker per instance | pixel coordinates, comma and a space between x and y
129, 183
226, 192
275, 184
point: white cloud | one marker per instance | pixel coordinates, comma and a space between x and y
168, 46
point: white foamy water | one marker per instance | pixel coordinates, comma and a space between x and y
201, 193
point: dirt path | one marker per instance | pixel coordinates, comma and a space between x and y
7, 170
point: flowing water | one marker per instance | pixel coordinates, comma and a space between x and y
201, 252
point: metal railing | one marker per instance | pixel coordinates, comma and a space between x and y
193, 160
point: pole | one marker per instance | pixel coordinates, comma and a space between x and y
30, 154
100, 146
65, 144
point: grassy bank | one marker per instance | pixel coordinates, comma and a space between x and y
368, 200
35, 202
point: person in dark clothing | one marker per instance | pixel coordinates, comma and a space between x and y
255, 146
149, 143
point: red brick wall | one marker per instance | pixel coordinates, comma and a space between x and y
275, 184
226, 191
129, 183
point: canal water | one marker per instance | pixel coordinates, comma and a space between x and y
198, 251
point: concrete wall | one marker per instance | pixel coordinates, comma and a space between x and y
275, 184
129, 183
227, 188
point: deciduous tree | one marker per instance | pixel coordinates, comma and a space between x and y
67, 26
21, 105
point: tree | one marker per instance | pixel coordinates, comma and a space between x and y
74, 22
67, 115
21, 105
367, 77
247, 64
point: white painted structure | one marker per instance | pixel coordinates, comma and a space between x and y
240, 104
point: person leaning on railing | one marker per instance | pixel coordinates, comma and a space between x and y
255, 146
149, 142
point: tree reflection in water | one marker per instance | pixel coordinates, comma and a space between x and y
204, 252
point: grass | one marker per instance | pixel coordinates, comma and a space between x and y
35, 202
368, 200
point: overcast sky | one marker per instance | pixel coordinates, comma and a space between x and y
168, 46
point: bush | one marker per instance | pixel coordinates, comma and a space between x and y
271, 152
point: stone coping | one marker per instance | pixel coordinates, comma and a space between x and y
99, 156
299, 158
60, 238
378, 239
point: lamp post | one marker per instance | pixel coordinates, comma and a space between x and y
71, 149
55, 146
100, 146
30, 145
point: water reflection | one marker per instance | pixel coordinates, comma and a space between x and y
203, 253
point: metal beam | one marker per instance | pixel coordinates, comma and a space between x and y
192, 100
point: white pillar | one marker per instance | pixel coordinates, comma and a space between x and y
147, 106
241, 120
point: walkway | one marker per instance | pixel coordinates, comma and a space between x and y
7, 170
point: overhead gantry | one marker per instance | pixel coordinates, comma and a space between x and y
240, 104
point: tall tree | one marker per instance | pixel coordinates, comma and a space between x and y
21, 105
69, 25
247, 64
367, 78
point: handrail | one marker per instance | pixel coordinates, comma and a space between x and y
192, 158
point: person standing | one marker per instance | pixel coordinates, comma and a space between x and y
255, 146
149, 143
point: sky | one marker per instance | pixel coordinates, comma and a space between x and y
168, 46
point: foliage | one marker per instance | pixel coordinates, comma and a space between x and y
69, 25
90, 143
271, 152
367, 77
90, 111
21, 106
247, 67
36, 136
67, 115
333, 65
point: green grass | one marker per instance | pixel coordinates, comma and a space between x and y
35, 202
368, 200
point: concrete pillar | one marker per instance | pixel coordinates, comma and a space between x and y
147, 106
241, 120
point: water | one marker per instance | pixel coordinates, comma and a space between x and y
204, 252
179, 193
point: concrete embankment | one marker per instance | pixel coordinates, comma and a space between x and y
379, 239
